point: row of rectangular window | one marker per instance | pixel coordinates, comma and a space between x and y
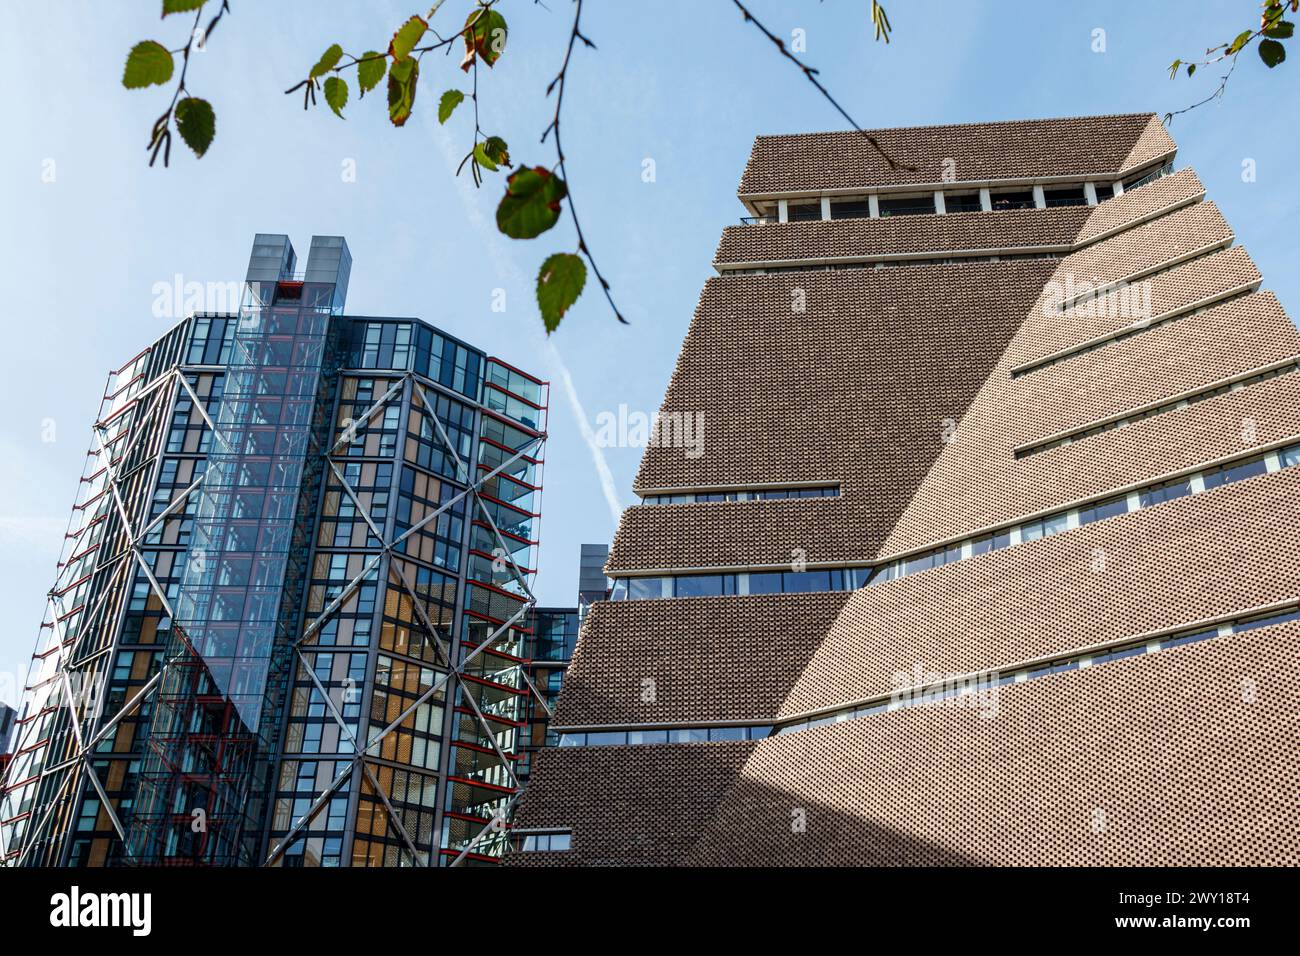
847, 579
929, 204
679, 735
928, 695
892, 263
1157, 410
832, 491
726, 585
940, 202
958, 688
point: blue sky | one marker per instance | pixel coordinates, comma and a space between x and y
683, 82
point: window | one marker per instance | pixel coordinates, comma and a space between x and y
990, 542
1019, 199
547, 842
807, 581
920, 563
705, 585
1141, 179
961, 202
1034, 530
851, 209
689, 735
647, 736
728, 733
765, 583
1266, 621
1104, 509
1067, 196
803, 212
907, 206
1166, 492
644, 589
1231, 473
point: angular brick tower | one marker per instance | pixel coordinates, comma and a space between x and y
984, 550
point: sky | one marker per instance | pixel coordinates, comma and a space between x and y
686, 83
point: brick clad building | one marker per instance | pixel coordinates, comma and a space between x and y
990, 555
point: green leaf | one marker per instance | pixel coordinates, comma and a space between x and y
486, 39
492, 153
1282, 30
531, 204
406, 37
336, 94
1242, 38
328, 60
1173, 68
180, 6
450, 100
147, 64
1191, 69
371, 71
1271, 52
197, 124
559, 283
402, 77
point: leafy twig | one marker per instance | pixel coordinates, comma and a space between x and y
1272, 29
160, 139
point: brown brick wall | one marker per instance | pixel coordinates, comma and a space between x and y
1158, 760
811, 396
901, 235
733, 658
1021, 148
1121, 211
1196, 351
1164, 566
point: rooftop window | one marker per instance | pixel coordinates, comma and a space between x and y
804, 211
962, 202
907, 206
851, 209
1067, 196
1017, 199
1141, 179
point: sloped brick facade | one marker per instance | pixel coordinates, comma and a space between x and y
916, 389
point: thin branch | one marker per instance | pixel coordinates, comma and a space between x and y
811, 74
1273, 13
557, 84
418, 52
1217, 94
160, 140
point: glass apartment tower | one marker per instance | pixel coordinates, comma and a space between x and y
289, 617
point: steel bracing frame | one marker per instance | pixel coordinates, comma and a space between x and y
454, 670
82, 718
90, 725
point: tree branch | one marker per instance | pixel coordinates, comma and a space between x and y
557, 84
811, 74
